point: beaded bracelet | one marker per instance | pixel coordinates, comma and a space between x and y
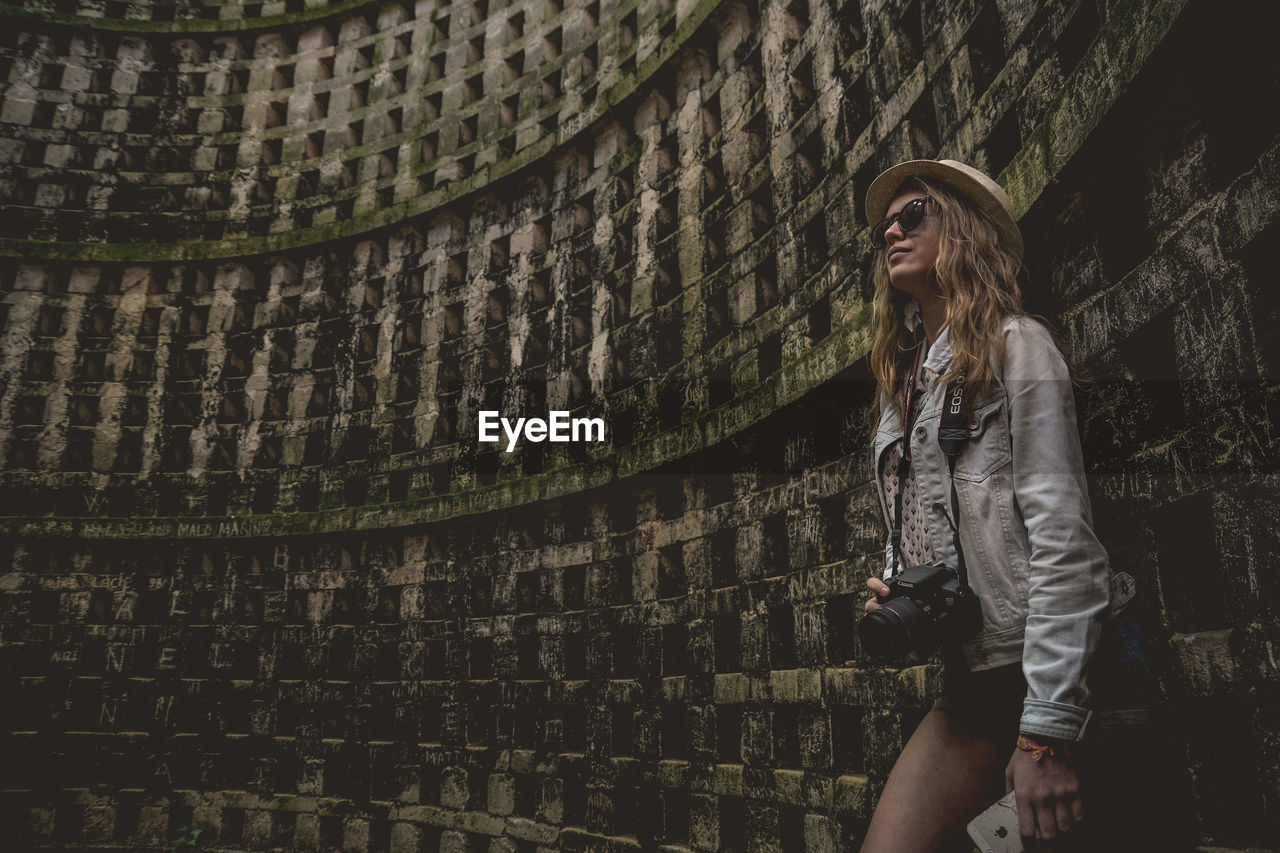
1039, 750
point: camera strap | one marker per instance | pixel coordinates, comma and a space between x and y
953, 432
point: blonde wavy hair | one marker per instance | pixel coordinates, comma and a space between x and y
978, 279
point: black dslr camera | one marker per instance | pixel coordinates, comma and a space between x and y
927, 605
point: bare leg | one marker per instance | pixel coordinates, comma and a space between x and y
947, 773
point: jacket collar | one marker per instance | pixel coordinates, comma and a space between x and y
940, 353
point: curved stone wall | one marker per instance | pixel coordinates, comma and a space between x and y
263, 264
598, 282
179, 15
207, 144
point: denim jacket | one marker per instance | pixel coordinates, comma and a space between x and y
1025, 523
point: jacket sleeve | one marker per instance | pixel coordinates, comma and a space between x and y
1068, 588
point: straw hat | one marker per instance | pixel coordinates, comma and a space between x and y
984, 192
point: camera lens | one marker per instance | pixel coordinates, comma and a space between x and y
894, 628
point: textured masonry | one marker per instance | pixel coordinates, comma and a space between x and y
262, 263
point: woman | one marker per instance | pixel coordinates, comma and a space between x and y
1014, 699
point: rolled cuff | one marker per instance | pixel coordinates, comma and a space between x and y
1054, 719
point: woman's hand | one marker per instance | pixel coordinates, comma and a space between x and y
880, 588
1048, 794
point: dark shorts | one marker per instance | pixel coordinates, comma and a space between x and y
989, 699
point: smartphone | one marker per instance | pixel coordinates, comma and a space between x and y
996, 829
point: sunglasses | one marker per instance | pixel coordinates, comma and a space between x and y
910, 217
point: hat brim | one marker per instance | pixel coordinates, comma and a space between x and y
969, 182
